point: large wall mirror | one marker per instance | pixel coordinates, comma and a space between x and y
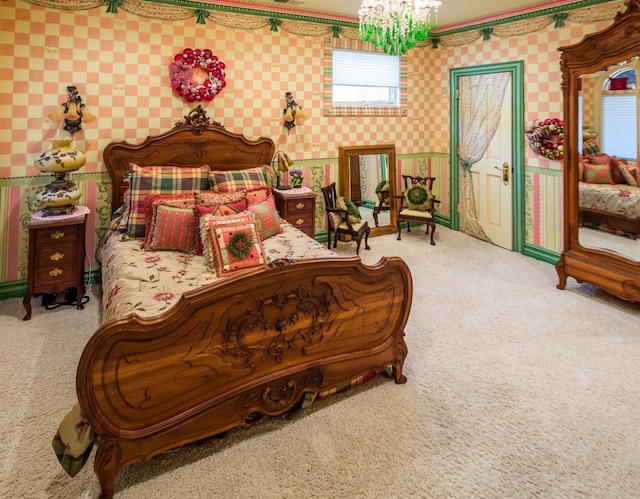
368, 177
601, 181
608, 192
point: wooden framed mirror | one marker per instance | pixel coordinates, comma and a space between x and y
601, 239
367, 176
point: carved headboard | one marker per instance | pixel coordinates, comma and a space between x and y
195, 141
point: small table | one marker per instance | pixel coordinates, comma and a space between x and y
56, 255
298, 207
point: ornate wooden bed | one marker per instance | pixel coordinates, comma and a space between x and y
253, 343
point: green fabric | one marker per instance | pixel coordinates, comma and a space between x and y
417, 198
354, 216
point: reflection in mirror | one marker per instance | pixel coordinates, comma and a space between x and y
367, 177
608, 180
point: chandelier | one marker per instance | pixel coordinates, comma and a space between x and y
396, 25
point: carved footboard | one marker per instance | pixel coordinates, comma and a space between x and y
254, 343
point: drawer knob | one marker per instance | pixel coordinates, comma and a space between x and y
300, 221
56, 272
57, 235
57, 256
300, 206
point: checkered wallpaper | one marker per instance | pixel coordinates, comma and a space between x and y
119, 62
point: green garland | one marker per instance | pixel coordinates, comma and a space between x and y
240, 245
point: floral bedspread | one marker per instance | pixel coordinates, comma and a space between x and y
617, 199
150, 282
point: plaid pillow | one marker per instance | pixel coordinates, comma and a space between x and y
229, 181
590, 146
148, 180
267, 218
597, 174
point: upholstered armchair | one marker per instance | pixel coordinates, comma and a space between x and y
343, 217
417, 204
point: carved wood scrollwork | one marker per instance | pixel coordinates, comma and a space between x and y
280, 396
198, 120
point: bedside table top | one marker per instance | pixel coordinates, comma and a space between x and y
78, 212
296, 191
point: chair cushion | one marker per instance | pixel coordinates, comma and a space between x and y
417, 198
343, 203
416, 213
355, 226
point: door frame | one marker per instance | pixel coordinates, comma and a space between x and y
516, 69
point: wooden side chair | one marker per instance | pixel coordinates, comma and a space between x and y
383, 203
344, 219
417, 204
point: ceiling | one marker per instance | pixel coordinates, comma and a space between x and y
452, 12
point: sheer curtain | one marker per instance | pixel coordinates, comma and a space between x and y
480, 104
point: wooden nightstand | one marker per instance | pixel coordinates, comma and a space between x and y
298, 207
56, 258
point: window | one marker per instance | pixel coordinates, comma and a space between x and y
619, 115
365, 79
363, 82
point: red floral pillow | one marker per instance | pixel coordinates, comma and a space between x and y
255, 196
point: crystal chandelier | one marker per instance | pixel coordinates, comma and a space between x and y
396, 25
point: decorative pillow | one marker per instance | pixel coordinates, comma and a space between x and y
616, 173
235, 180
418, 198
144, 181
353, 216
207, 222
175, 200
590, 146
630, 174
172, 228
597, 174
237, 246
255, 196
380, 189
210, 198
599, 159
267, 218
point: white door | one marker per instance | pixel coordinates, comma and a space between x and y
492, 181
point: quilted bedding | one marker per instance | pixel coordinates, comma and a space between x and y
616, 199
148, 283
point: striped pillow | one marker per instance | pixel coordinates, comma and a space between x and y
237, 246
235, 180
172, 229
148, 180
207, 222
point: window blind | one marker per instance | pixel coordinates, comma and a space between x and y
620, 125
365, 69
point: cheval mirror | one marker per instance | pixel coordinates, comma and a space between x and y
368, 177
602, 202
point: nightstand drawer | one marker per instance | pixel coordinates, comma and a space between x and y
304, 222
299, 206
58, 234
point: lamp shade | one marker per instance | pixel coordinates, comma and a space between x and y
61, 158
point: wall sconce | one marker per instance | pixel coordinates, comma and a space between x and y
280, 164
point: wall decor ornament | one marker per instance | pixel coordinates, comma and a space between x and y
546, 138
183, 71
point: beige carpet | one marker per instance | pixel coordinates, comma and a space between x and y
515, 390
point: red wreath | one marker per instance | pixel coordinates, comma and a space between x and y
184, 82
546, 138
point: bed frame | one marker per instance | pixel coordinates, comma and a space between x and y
255, 343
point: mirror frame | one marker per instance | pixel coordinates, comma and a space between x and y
347, 152
620, 41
